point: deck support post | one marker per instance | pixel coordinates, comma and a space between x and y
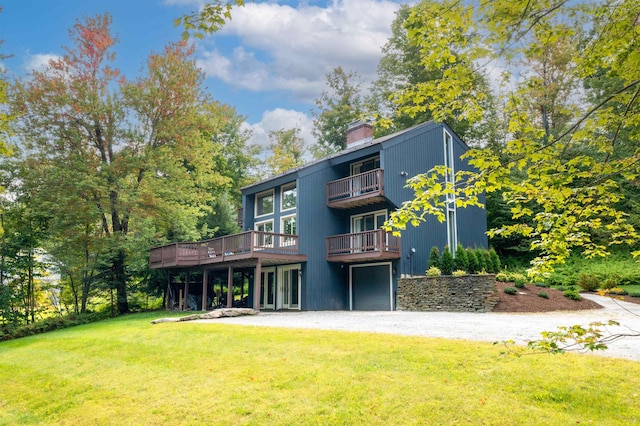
256, 286
230, 287
205, 281
186, 292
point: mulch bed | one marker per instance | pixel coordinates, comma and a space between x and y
527, 300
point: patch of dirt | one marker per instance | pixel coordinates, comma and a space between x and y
527, 300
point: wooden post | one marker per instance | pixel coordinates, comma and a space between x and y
256, 286
186, 292
180, 301
205, 281
230, 287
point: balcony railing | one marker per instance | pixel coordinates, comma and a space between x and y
357, 190
368, 245
232, 247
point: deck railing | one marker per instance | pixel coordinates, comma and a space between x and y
363, 184
363, 242
223, 248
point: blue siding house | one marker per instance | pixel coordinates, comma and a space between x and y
312, 237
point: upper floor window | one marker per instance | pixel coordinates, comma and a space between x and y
264, 203
289, 197
448, 161
365, 165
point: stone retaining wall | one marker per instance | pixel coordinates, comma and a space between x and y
467, 293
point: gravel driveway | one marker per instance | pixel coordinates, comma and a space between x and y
488, 327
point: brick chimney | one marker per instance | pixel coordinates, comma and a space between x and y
359, 132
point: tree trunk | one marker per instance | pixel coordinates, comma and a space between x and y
120, 282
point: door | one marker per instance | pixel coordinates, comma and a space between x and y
267, 288
371, 287
289, 287
366, 222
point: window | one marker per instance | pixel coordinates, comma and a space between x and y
448, 161
289, 197
263, 240
288, 226
365, 166
452, 230
264, 203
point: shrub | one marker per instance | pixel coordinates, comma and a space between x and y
474, 266
510, 290
609, 283
461, 260
446, 262
572, 294
519, 283
494, 261
459, 273
543, 294
634, 293
482, 259
434, 258
433, 272
561, 288
618, 291
588, 282
543, 285
502, 277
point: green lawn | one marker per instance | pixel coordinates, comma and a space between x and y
126, 371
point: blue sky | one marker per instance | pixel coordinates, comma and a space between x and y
269, 62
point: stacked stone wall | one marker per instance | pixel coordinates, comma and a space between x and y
468, 293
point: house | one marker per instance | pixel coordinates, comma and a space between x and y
312, 237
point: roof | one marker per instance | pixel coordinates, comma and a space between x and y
345, 151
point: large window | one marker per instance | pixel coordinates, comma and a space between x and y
288, 226
264, 203
452, 226
289, 197
448, 161
262, 239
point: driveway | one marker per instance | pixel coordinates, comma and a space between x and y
490, 327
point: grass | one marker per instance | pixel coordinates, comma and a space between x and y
126, 371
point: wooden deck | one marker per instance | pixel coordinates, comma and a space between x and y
358, 190
363, 246
269, 248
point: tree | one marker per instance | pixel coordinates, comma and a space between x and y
461, 261
132, 158
434, 258
561, 187
446, 263
336, 108
287, 149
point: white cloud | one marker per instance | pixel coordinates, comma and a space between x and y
287, 48
280, 119
39, 61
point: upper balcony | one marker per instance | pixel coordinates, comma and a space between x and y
363, 246
269, 247
357, 190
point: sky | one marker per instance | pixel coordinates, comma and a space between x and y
269, 62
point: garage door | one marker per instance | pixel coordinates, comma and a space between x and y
371, 287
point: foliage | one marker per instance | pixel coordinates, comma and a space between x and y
474, 264
8, 332
618, 269
561, 162
503, 277
446, 263
459, 273
572, 294
634, 293
494, 263
519, 283
543, 294
287, 149
617, 291
433, 271
588, 282
482, 259
336, 107
510, 290
461, 261
209, 19
434, 257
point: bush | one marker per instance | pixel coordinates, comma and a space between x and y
474, 266
461, 261
561, 288
459, 273
434, 258
446, 262
609, 283
48, 324
588, 282
572, 294
519, 283
543, 294
634, 293
433, 272
482, 259
502, 277
618, 291
543, 285
510, 290
494, 261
